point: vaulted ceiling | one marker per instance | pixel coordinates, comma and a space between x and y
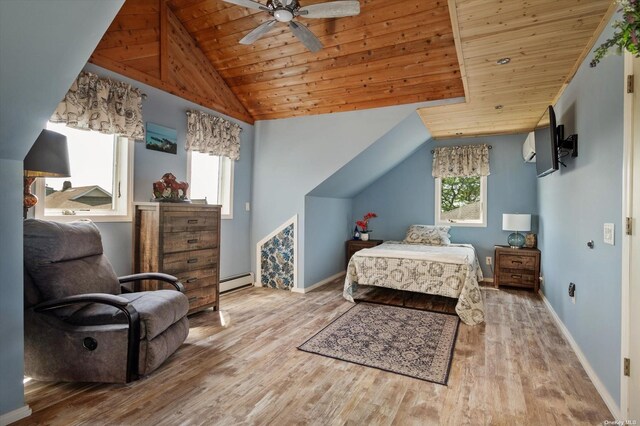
394, 52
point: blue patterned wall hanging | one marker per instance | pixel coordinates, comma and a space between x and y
277, 259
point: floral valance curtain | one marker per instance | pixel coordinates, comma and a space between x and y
212, 135
102, 104
461, 161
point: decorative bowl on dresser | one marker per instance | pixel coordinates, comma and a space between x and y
517, 267
180, 239
357, 245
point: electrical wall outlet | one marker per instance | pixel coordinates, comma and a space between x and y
572, 292
488, 260
541, 281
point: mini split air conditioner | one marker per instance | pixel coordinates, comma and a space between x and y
529, 148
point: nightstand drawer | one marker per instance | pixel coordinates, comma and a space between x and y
517, 267
518, 262
517, 278
354, 246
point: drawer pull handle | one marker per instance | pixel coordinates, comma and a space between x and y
195, 240
519, 262
192, 299
192, 280
192, 261
516, 276
192, 221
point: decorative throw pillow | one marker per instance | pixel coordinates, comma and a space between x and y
428, 234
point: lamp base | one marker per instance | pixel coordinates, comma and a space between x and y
30, 199
516, 240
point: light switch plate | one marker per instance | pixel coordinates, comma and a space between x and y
247, 206
609, 232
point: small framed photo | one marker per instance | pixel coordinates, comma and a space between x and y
531, 240
160, 138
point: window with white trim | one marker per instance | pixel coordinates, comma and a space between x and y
211, 178
100, 185
461, 201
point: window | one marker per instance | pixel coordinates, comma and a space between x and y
461, 201
100, 184
211, 178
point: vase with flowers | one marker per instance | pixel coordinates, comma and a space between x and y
364, 225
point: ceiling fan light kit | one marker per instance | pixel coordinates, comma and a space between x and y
287, 10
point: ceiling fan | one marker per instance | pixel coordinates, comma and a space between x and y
287, 10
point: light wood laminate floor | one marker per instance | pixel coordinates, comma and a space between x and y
515, 369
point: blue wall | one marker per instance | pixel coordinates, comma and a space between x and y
574, 204
328, 225
293, 156
379, 158
170, 111
11, 301
406, 196
41, 55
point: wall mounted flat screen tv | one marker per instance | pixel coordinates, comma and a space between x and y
546, 137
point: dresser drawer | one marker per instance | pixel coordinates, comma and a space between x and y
518, 262
177, 263
201, 298
517, 278
184, 241
186, 221
198, 278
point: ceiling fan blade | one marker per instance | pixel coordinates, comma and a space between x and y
258, 32
307, 38
248, 3
332, 9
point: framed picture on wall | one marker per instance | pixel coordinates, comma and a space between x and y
160, 138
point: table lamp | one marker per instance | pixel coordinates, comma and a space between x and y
48, 157
518, 223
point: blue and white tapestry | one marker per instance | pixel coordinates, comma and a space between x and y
277, 260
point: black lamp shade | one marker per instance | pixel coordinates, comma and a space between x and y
48, 157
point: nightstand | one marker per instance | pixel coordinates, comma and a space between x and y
517, 267
357, 245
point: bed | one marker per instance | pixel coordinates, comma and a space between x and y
450, 270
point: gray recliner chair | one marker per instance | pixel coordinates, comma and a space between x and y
81, 324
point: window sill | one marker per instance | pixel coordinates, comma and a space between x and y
465, 225
93, 218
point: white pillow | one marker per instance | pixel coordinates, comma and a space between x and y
428, 234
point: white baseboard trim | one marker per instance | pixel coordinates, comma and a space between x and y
237, 282
600, 387
319, 283
15, 415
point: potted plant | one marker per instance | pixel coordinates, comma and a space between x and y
627, 34
364, 225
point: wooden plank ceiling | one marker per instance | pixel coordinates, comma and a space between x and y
148, 43
394, 52
545, 39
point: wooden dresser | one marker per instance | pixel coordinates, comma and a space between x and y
181, 240
357, 245
517, 267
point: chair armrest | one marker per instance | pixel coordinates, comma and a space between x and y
153, 276
104, 298
120, 303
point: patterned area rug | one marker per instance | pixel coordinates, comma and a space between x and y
405, 341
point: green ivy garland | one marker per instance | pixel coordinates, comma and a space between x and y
627, 33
